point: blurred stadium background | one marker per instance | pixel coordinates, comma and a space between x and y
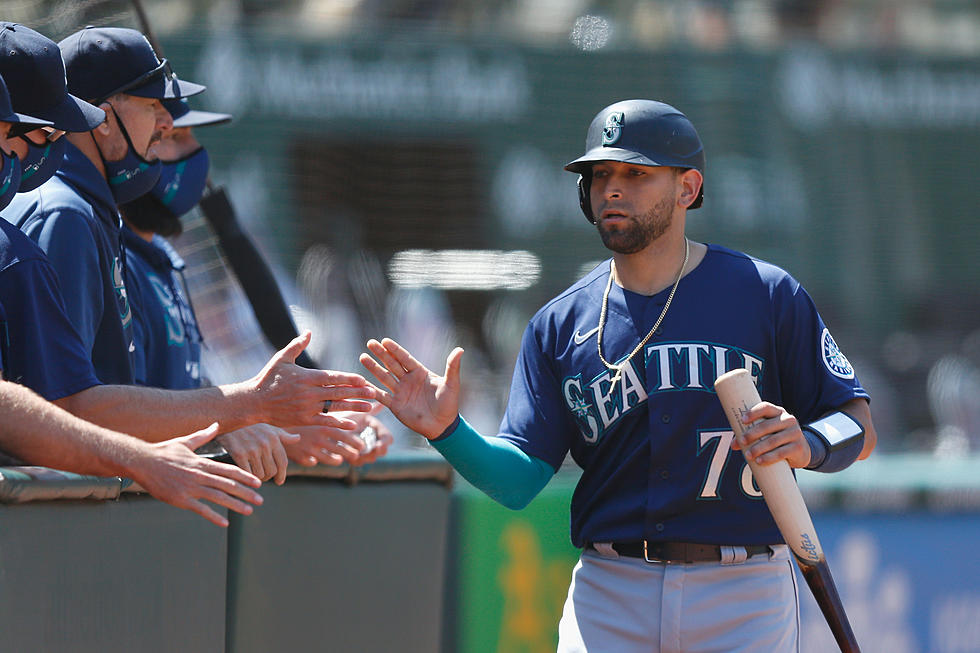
399, 164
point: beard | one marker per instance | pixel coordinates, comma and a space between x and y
147, 213
637, 233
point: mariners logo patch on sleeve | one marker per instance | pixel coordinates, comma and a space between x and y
834, 358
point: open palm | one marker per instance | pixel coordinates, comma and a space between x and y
423, 401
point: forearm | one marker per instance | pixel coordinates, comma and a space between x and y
860, 410
41, 433
495, 466
154, 414
840, 438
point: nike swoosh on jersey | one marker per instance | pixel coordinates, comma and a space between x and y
579, 338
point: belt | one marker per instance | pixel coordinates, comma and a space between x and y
683, 552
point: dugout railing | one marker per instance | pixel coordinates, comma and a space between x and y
337, 559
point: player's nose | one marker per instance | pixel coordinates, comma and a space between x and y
164, 121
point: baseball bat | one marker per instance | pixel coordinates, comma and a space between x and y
243, 257
738, 394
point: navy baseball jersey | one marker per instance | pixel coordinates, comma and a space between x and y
655, 448
42, 348
73, 218
167, 340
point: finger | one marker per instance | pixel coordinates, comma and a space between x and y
331, 421
230, 474
356, 406
344, 451
330, 459
200, 438
759, 411
333, 377
384, 355
240, 457
351, 438
255, 462
282, 464
290, 352
219, 481
204, 511
783, 452
402, 355
454, 363
269, 459
376, 408
758, 431
222, 499
341, 392
386, 378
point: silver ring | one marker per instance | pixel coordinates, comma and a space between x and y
326, 405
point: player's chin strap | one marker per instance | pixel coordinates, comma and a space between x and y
835, 441
584, 195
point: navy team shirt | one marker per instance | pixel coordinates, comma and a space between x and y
655, 450
167, 340
73, 218
41, 348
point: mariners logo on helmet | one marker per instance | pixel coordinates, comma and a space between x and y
613, 129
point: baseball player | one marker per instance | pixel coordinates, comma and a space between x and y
679, 552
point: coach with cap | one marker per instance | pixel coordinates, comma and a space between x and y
73, 216
32, 67
10, 168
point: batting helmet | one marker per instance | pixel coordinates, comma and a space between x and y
643, 132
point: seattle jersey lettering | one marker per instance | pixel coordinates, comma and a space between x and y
597, 405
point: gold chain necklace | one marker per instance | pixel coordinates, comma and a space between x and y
602, 318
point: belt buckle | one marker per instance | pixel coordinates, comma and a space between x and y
647, 557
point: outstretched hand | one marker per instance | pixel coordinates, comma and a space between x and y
333, 446
422, 400
172, 472
291, 396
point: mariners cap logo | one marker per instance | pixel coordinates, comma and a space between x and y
833, 358
613, 129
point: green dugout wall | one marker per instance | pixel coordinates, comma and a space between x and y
335, 560
388, 559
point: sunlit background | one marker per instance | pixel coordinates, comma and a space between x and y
399, 162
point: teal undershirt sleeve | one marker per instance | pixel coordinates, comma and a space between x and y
494, 465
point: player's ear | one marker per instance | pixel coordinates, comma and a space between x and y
688, 185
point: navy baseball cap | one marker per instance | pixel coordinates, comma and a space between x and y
31, 65
184, 116
103, 61
7, 113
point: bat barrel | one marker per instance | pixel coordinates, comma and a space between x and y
821, 583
